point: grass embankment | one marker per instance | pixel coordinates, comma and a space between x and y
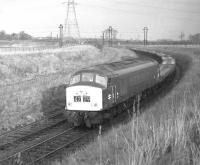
32, 83
166, 133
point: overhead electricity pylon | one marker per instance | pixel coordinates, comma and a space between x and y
71, 29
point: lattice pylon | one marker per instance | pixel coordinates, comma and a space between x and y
71, 28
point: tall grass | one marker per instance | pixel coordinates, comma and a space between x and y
166, 133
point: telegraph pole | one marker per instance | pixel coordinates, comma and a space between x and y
110, 35
182, 36
61, 35
103, 38
145, 35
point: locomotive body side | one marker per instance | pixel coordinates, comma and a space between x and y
132, 81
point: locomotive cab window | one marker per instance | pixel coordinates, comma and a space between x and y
75, 79
101, 80
87, 77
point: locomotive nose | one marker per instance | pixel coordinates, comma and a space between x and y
84, 98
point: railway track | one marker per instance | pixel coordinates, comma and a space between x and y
36, 153
13, 138
30, 129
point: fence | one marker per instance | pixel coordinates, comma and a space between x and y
25, 49
7, 50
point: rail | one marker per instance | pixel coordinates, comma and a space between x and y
39, 151
9, 138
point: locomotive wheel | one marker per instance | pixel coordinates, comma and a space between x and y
114, 111
88, 123
92, 120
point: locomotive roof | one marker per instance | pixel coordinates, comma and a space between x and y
125, 65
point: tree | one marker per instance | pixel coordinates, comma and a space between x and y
21, 35
14, 36
24, 36
195, 38
2, 35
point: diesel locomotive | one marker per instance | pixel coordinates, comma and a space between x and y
96, 92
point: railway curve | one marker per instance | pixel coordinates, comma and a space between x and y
37, 152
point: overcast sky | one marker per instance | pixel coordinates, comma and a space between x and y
164, 18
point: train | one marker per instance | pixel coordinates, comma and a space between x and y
99, 92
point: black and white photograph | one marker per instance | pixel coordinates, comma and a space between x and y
99, 82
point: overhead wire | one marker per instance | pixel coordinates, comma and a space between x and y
110, 9
149, 6
121, 9
174, 17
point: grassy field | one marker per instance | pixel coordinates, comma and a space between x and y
166, 133
33, 83
26, 43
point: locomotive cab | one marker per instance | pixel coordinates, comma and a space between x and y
85, 92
